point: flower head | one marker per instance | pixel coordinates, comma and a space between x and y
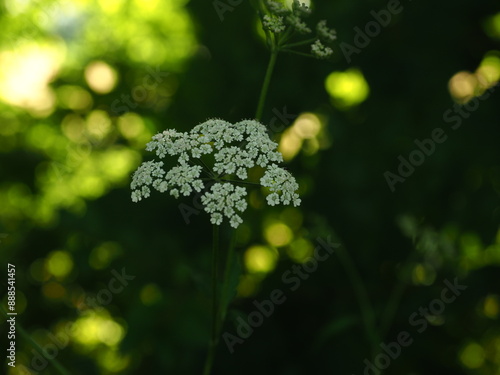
277, 8
273, 23
230, 150
325, 33
319, 50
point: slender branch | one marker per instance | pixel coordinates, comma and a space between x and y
206, 166
297, 53
265, 85
396, 295
285, 36
241, 182
367, 312
298, 44
227, 271
215, 302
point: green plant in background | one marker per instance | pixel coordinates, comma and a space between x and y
216, 157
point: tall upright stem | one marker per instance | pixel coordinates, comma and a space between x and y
265, 85
367, 311
215, 302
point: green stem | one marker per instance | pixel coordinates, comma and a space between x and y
57, 365
265, 85
298, 44
396, 296
215, 302
227, 271
285, 36
297, 53
240, 182
367, 312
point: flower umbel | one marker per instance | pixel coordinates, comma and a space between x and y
321, 51
230, 150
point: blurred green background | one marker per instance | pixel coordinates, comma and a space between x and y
84, 84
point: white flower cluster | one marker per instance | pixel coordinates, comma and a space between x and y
277, 8
301, 9
325, 33
233, 150
321, 51
282, 185
285, 19
273, 23
295, 22
223, 200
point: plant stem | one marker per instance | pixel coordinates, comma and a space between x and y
298, 44
367, 312
297, 53
215, 302
265, 85
227, 272
396, 295
241, 182
58, 366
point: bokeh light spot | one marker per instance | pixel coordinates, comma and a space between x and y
101, 77
101, 256
491, 306
260, 259
307, 125
150, 294
74, 97
130, 125
423, 274
278, 234
53, 290
462, 86
59, 263
347, 89
300, 250
472, 356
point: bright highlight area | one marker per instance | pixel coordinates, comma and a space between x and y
464, 85
347, 89
260, 259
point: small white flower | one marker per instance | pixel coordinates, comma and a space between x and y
327, 34
321, 51
300, 9
273, 23
295, 22
282, 184
236, 221
277, 8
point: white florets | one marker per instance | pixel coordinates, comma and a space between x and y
236, 148
319, 50
282, 185
277, 8
224, 199
273, 24
327, 34
300, 26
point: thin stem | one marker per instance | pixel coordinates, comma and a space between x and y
285, 36
240, 182
265, 85
396, 296
297, 53
57, 365
215, 302
227, 271
298, 44
367, 312
209, 171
